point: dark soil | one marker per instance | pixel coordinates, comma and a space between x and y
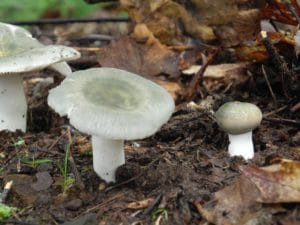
186, 161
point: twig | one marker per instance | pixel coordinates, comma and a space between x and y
293, 11
295, 107
275, 111
284, 121
72, 20
88, 49
5, 191
269, 86
74, 170
198, 78
280, 65
16, 222
98, 1
154, 204
73, 167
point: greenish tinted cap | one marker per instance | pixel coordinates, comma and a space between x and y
238, 117
112, 103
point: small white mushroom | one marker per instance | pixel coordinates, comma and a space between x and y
238, 119
20, 53
112, 105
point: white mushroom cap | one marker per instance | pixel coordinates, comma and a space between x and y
112, 103
36, 58
18, 50
238, 117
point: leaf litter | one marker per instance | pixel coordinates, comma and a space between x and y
182, 174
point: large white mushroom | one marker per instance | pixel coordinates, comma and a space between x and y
238, 119
21, 53
112, 105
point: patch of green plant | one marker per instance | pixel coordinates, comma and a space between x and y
67, 180
6, 211
29, 9
159, 212
35, 162
19, 142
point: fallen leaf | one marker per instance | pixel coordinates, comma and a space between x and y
243, 202
222, 75
276, 183
148, 59
174, 22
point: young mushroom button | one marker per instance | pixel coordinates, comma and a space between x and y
238, 119
112, 105
20, 53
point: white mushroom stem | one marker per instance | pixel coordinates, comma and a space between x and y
241, 145
108, 155
13, 105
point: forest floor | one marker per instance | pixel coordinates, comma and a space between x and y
167, 177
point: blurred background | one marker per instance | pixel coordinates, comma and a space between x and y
12, 10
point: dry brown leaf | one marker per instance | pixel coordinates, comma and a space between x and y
242, 202
220, 76
276, 183
148, 59
174, 22
172, 87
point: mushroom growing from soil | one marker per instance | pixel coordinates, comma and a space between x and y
20, 53
112, 105
238, 119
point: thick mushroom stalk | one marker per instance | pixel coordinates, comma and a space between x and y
13, 106
108, 155
241, 145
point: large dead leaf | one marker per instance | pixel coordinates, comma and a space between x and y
242, 202
174, 22
147, 59
276, 183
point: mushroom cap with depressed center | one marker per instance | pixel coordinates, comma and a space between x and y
112, 103
238, 117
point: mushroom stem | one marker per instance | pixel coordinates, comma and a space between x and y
108, 155
13, 106
241, 145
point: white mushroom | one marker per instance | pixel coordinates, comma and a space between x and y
20, 53
112, 105
238, 119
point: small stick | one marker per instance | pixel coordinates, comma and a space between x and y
285, 121
295, 107
293, 11
198, 78
279, 63
74, 170
98, 1
5, 191
73, 167
269, 86
72, 20
275, 111
153, 205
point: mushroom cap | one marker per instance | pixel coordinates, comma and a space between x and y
20, 52
36, 58
238, 117
112, 103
